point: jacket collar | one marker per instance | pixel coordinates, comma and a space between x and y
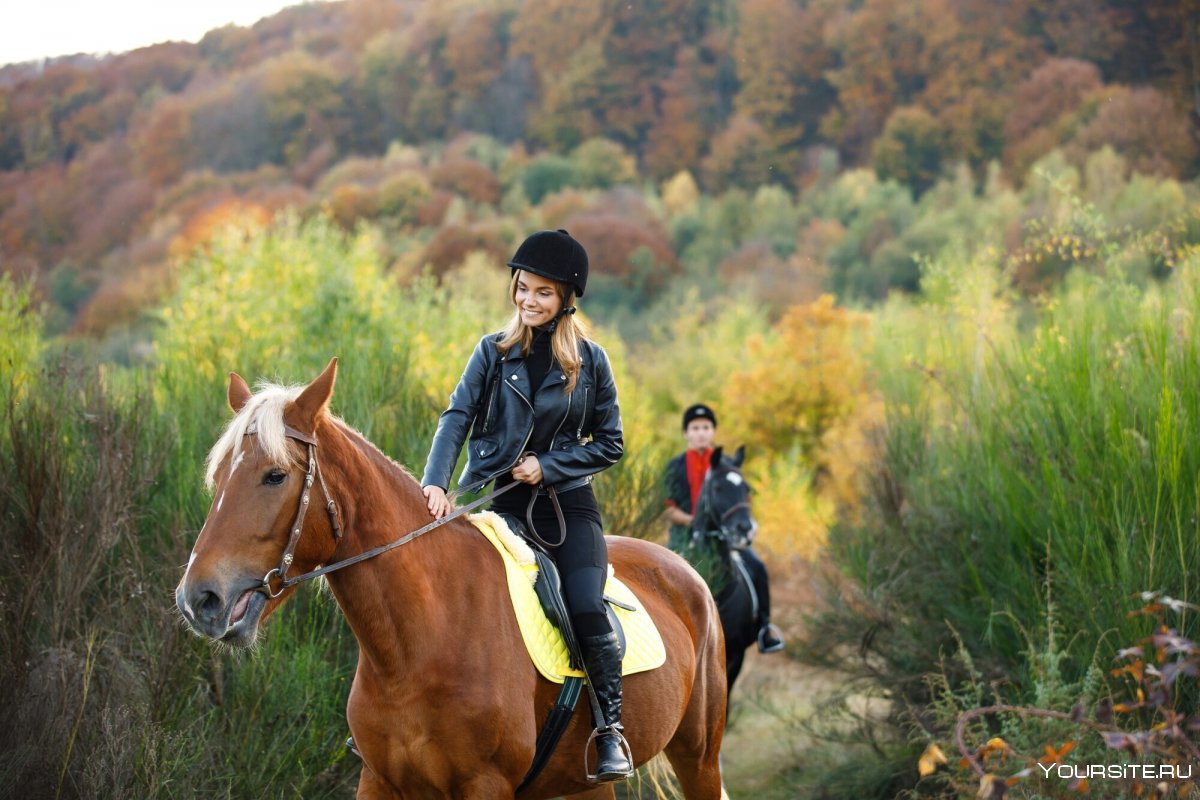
515, 355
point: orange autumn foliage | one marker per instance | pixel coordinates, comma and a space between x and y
203, 227
805, 396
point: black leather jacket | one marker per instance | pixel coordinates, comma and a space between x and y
492, 400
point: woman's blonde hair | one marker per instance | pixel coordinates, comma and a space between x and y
564, 343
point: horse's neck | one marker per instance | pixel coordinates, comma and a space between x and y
389, 599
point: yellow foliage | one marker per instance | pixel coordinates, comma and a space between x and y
846, 450
792, 518
928, 763
801, 378
471, 301
680, 193
803, 403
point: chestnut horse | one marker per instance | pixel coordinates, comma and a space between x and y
445, 701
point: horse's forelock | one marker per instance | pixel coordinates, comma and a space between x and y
265, 411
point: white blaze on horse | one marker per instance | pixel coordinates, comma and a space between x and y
445, 702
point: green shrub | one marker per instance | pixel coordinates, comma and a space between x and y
548, 174
1015, 451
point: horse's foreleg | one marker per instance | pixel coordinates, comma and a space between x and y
370, 787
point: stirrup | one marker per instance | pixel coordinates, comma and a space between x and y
593, 777
352, 747
772, 629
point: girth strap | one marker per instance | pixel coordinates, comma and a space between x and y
556, 724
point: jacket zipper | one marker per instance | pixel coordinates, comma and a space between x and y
494, 389
491, 410
582, 414
563, 420
527, 435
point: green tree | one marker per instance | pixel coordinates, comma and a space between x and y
564, 41
602, 163
782, 60
303, 104
910, 149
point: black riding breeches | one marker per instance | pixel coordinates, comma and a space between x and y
582, 558
758, 574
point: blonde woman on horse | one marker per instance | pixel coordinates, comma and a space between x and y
537, 405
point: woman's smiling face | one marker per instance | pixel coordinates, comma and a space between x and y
536, 298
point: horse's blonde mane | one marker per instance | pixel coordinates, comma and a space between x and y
264, 410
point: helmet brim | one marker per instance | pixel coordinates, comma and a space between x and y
545, 274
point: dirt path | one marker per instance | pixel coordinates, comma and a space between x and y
763, 740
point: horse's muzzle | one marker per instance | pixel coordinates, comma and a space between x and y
228, 614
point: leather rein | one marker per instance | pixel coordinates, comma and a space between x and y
314, 475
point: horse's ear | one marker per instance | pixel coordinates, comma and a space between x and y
239, 392
739, 456
715, 460
313, 400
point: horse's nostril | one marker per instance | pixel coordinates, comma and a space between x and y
208, 605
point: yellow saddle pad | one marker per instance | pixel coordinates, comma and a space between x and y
644, 649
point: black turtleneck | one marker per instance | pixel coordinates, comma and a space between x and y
537, 360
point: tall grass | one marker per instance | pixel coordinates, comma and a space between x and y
1034, 459
101, 469
108, 696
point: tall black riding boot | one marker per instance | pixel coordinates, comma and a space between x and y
602, 660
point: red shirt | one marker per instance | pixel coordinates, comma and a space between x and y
697, 468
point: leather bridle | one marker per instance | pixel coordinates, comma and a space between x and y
297, 527
703, 502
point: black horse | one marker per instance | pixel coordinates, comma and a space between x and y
722, 529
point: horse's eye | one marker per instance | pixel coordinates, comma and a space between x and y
274, 477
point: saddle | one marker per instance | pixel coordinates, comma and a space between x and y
535, 589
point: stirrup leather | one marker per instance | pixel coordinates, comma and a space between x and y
614, 730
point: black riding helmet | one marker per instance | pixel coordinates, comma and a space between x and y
554, 255
699, 411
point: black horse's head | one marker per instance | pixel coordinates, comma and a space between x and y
723, 507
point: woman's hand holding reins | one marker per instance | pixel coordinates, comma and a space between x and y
436, 500
528, 470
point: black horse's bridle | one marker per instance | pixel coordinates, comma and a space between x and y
710, 512
314, 475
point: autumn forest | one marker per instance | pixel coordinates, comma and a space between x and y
106, 163
936, 263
